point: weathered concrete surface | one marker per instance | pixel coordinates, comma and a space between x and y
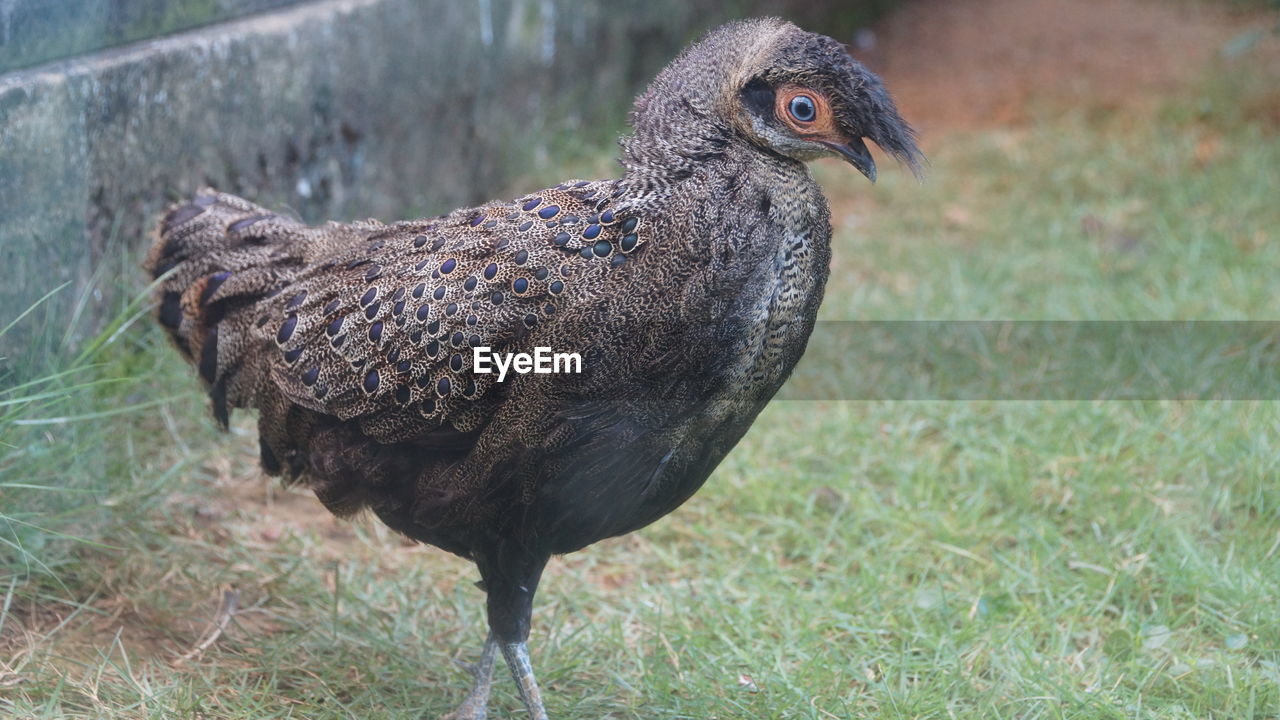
336, 109
36, 31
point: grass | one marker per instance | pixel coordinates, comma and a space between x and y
865, 560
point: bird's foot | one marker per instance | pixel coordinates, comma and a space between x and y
476, 706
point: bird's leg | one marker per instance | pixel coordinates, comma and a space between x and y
517, 656
476, 705
511, 579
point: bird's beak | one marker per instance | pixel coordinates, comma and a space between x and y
856, 152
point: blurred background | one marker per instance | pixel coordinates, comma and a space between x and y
1089, 160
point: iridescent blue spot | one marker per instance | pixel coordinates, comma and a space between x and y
457, 339
630, 225
286, 329
629, 242
437, 244
439, 292
562, 239
373, 272
447, 266
455, 363
496, 297
403, 395
549, 309
568, 219
470, 283
470, 389
525, 225
433, 327
291, 356
428, 406
490, 271
592, 232
433, 348
371, 381
477, 220
451, 309
520, 284
618, 260
398, 308
335, 326
541, 273
331, 307
522, 257
602, 248
419, 290
311, 375
403, 366
394, 355
420, 241
296, 300
398, 294
422, 381
442, 387
586, 253
415, 337
422, 265
369, 296
549, 212
338, 341
491, 224
530, 320
533, 203
375, 331
422, 312
606, 217
372, 311
556, 287
475, 340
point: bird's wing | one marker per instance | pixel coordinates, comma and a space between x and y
382, 330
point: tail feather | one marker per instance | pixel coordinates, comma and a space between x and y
216, 257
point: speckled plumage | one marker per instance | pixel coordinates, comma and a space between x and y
689, 286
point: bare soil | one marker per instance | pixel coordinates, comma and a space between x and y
968, 64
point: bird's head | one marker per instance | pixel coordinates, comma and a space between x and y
783, 90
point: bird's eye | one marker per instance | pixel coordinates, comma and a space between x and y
802, 108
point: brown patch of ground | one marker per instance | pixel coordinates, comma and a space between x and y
965, 64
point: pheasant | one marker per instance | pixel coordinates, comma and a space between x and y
687, 288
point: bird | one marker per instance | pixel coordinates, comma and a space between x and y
686, 288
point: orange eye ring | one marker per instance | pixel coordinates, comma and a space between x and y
804, 110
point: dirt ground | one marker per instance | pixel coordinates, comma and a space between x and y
967, 64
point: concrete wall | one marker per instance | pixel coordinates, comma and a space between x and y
334, 108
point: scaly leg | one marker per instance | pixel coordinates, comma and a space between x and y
517, 656
476, 705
